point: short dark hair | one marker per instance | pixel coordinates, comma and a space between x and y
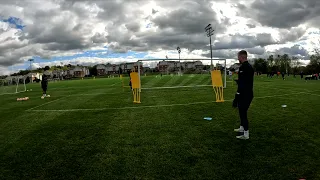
46, 68
243, 52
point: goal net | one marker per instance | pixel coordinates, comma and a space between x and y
175, 73
12, 85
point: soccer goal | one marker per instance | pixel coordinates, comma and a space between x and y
180, 73
12, 85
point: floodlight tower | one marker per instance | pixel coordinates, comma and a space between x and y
179, 51
31, 61
209, 32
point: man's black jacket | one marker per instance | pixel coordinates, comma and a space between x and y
245, 79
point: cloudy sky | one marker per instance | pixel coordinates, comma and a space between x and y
101, 31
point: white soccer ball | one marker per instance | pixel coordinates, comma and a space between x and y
42, 97
48, 95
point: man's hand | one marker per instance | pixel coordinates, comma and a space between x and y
235, 101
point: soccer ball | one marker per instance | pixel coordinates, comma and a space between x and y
42, 97
48, 95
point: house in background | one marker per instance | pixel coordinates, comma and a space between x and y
128, 67
68, 73
165, 66
58, 73
80, 71
123, 68
112, 68
101, 70
195, 65
34, 76
173, 66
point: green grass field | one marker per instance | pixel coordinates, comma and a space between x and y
90, 129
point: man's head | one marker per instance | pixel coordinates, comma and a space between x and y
242, 56
46, 68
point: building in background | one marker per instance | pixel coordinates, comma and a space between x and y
58, 73
173, 66
101, 70
122, 68
80, 71
34, 76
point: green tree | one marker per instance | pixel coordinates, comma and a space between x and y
277, 63
284, 63
270, 62
295, 64
315, 63
93, 70
260, 65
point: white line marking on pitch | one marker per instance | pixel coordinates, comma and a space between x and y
311, 94
32, 109
173, 87
153, 106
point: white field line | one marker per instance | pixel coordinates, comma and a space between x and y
153, 106
173, 87
46, 103
9, 93
85, 87
312, 94
85, 94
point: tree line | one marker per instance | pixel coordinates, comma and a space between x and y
285, 63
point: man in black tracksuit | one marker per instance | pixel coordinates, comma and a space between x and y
44, 82
244, 93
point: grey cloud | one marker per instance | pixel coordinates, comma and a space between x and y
243, 41
116, 11
232, 53
223, 54
68, 27
281, 13
183, 27
191, 19
154, 11
256, 50
295, 50
292, 34
99, 38
133, 26
251, 25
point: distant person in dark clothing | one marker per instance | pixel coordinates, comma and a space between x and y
283, 74
301, 75
44, 82
244, 93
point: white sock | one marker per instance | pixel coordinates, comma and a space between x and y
241, 128
246, 133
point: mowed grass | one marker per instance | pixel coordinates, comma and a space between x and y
90, 129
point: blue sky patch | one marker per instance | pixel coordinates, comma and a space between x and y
14, 22
104, 53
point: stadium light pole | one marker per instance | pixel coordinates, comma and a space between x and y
179, 51
30, 60
209, 32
